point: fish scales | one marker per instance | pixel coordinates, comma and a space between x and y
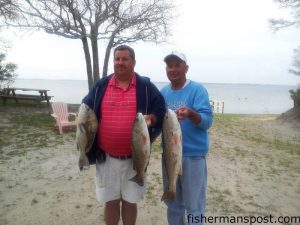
140, 142
87, 126
172, 152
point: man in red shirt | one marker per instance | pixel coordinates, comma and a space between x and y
116, 100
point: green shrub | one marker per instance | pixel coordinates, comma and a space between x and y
295, 95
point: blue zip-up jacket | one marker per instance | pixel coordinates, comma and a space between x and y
148, 101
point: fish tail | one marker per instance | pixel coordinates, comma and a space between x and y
168, 195
138, 180
180, 171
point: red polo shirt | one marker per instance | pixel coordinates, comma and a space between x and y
118, 111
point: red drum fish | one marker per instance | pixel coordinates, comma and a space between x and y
140, 142
87, 125
172, 152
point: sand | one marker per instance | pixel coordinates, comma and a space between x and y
253, 168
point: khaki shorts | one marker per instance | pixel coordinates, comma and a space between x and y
112, 181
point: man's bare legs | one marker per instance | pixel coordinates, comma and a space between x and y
112, 212
129, 213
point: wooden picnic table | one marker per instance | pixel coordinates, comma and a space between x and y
11, 93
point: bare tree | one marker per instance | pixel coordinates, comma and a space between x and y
295, 94
89, 21
277, 24
294, 6
70, 19
147, 21
7, 9
296, 64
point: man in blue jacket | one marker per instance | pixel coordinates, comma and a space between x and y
116, 99
191, 103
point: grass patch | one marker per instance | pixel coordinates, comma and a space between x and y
241, 127
22, 103
238, 152
24, 130
274, 143
156, 145
228, 120
151, 194
39, 120
220, 201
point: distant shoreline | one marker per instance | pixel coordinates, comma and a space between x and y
166, 82
237, 98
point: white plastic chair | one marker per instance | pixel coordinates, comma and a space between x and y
61, 115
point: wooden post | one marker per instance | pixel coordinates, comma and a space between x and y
217, 106
222, 107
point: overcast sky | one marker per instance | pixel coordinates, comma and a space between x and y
224, 42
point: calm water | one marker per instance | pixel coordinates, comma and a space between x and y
238, 98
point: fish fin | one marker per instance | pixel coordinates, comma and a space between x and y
147, 160
89, 144
83, 162
163, 161
163, 142
139, 181
88, 128
82, 128
168, 195
134, 161
180, 171
146, 167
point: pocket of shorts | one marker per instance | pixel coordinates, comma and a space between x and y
99, 181
100, 175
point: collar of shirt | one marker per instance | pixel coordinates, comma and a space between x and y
114, 83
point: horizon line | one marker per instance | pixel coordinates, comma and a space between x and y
295, 85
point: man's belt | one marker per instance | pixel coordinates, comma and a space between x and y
122, 157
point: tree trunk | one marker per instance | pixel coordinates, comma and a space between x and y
88, 61
106, 60
107, 55
94, 43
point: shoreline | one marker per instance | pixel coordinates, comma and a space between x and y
238, 98
73, 107
86, 81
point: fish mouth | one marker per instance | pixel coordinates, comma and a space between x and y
138, 116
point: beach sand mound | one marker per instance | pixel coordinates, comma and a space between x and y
292, 115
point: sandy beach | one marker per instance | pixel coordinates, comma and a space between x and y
253, 167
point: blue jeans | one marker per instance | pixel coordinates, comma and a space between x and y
190, 192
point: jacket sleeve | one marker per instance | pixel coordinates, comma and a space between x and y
157, 105
89, 99
202, 106
95, 153
158, 108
